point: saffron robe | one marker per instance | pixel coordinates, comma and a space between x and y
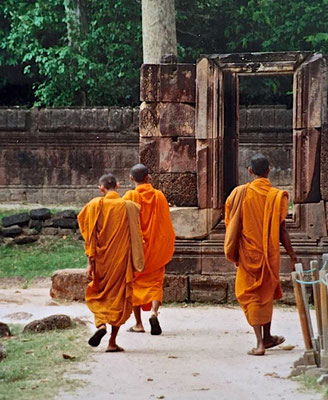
263, 209
105, 228
159, 237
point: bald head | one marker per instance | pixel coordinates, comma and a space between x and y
108, 181
259, 165
139, 173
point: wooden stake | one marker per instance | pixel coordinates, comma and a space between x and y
324, 317
316, 297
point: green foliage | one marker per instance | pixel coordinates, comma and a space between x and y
98, 64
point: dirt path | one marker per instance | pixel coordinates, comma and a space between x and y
201, 354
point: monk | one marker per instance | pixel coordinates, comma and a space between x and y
255, 224
107, 225
159, 237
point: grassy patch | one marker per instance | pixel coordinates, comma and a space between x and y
35, 367
309, 383
41, 258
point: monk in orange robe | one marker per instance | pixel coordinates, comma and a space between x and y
255, 225
104, 225
159, 237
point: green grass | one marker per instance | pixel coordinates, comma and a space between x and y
35, 368
41, 258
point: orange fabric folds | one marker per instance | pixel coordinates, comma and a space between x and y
263, 209
105, 228
159, 237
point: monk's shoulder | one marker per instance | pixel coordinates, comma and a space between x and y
237, 191
129, 194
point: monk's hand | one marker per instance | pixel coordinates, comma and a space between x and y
90, 269
293, 261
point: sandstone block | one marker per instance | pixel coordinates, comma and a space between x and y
177, 83
11, 231
184, 265
40, 214
65, 232
316, 224
66, 214
177, 119
49, 231
177, 156
67, 223
16, 219
59, 321
35, 224
4, 330
149, 82
25, 239
115, 119
324, 164
180, 189
69, 284
149, 154
287, 290
175, 288
208, 288
127, 118
149, 120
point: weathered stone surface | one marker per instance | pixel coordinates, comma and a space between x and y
179, 189
59, 321
177, 156
324, 163
3, 353
208, 289
149, 154
149, 120
149, 82
35, 224
48, 223
25, 239
323, 380
4, 330
175, 288
316, 223
8, 242
49, 231
16, 219
11, 231
127, 118
177, 119
115, 120
67, 223
66, 214
69, 284
40, 214
14, 119
65, 232
287, 290
184, 265
177, 83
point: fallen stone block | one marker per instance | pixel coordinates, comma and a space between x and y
67, 223
12, 231
40, 214
69, 284
65, 232
59, 321
25, 239
49, 231
4, 330
16, 219
66, 214
315, 371
35, 224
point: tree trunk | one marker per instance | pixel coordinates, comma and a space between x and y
158, 30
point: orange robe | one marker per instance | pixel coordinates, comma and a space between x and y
264, 208
104, 226
159, 237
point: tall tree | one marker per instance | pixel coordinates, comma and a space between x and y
158, 30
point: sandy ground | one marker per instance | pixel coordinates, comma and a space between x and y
201, 354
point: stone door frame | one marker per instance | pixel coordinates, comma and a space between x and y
216, 128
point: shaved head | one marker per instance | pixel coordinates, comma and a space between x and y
259, 164
108, 181
139, 172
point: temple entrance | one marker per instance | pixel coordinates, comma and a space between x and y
220, 122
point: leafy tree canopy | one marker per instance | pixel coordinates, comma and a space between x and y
74, 52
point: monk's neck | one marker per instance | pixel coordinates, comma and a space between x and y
137, 184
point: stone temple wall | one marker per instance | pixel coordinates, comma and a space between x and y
56, 155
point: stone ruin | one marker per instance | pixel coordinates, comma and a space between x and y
195, 138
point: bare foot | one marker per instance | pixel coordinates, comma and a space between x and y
136, 329
273, 341
114, 349
256, 352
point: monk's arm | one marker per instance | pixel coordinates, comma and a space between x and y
285, 241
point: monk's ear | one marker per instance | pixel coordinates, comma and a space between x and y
102, 189
131, 178
250, 171
117, 185
147, 178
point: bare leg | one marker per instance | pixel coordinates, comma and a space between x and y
269, 340
260, 349
137, 314
112, 341
155, 307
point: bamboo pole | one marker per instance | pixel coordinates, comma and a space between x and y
316, 297
324, 316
